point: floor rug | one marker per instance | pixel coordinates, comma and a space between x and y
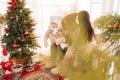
40, 75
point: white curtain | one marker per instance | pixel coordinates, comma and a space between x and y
111, 6
43, 9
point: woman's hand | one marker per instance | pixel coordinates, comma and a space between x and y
70, 55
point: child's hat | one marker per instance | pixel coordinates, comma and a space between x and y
57, 20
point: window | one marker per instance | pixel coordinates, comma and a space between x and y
94, 7
43, 9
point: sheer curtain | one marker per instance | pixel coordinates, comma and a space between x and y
111, 6
43, 9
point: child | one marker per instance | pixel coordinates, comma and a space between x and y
55, 24
55, 34
61, 41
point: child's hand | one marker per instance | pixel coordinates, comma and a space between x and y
57, 41
52, 38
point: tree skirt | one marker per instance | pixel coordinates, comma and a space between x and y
40, 75
36, 74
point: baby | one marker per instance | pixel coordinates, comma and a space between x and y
55, 33
61, 41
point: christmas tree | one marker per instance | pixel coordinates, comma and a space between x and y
19, 37
109, 25
83, 61
110, 30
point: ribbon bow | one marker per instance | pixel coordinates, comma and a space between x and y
13, 4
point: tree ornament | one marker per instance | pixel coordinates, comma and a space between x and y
9, 11
15, 45
16, 18
116, 25
2, 16
19, 49
30, 37
26, 33
11, 18
18, 38
23, 40
21, 0
32, 24
21, 11
6, 29
6, 34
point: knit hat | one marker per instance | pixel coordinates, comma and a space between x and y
5, 57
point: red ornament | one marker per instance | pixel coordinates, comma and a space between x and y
30, 37
116, 25
26, 33
32, 24
9, 11
6, 29
16, 18
15, 45
23, 40
2, 16
11, 18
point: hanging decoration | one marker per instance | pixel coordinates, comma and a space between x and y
2, 19
30, 37
6, 29
17, 18
15, 45
9, 11
26, 33
23, 40
32, 24
116, 25
11, 18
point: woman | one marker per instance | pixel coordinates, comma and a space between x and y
83, 60
79, 33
